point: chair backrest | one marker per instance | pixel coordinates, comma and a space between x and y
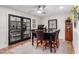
39, 34
57, 34
33, 33
33, 30
54, 36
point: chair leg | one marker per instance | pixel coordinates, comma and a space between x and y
43, 47
37, 43
41, 42
54, 49
44, 44
57, 43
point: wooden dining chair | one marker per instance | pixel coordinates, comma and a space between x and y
39, 35
45, 41
53, 42
57, 38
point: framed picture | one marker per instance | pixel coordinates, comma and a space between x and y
52, 24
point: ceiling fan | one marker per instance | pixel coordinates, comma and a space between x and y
40, 9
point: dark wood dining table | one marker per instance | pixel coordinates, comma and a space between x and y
50, 35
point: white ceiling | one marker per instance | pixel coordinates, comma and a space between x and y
50, 9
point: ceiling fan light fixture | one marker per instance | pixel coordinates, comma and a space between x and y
41, 8
61, 7
39, 11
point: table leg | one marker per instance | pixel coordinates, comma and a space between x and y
32, 40
50, 43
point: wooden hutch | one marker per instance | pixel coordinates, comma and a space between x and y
68, 30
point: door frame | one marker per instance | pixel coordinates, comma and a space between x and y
9, 15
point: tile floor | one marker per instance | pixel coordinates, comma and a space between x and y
66, 47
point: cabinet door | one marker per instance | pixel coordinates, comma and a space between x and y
68, 32
26, 28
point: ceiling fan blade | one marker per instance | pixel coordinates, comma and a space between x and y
34, 10
31, 10
44, 12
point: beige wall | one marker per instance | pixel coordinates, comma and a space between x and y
60, 22
4, 23
76, 35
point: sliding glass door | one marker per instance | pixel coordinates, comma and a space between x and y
19, 28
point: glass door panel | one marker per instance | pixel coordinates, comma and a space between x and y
15, 29
26, 27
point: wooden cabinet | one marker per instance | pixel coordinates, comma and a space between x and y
68, 30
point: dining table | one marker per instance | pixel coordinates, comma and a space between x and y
46, 34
